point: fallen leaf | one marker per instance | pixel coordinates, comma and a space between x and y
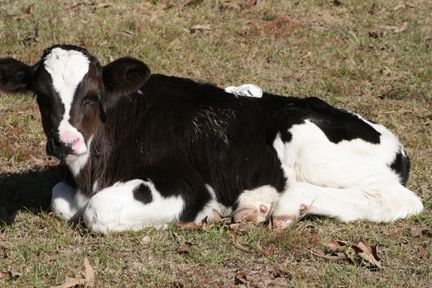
375, 34
336, 245
185, 248
367, 253
403, 6
240, 279
3, 253
249, 3
421, 251
401, 27
338, 257
6, 275
24, 14
418, 231
103, 5
242, 226
88, 280
262, 250
278, 273
228, 4
200, 28
89, 272
415, 231
386, 71
190, 225
71, 282
336, 2
236, 243
9, 275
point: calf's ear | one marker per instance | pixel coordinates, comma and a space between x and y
15, 76
124, 76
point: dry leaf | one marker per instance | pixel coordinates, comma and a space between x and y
6, 275
103, 5
417, 232
341, 251
3, 253
242, 226
338, 257
262, 250
403, 6
190, 225
240, 279
367, 253
236, 243
401, 28
89, 272
188, 2
336, 245
386, 71
228, 4
200, 28
9, 275
24, 14
71, 282
185, 248
249, 4
88, 281
421, 251
278, 273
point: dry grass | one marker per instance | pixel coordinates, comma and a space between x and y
352, 54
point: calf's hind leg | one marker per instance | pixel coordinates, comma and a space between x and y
346, 204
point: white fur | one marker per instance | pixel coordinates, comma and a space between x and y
67, 69
211, 207
115, 209
255, 199
349, 180
67, 202
76, 163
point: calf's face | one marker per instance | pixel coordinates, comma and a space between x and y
72, 90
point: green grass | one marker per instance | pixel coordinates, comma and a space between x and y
348, 55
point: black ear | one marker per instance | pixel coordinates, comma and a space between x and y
15, 76
125, 76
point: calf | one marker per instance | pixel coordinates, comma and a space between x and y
146, 150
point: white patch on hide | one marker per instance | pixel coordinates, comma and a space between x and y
115, 208
67, 202
67, 69
349, 180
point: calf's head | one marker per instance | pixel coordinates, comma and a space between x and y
72, 91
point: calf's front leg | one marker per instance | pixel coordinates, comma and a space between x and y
67, 202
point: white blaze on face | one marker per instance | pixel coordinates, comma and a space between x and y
67, 69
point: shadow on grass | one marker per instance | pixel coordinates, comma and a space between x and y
28, 190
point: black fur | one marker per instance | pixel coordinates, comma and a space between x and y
143, 193
401, 165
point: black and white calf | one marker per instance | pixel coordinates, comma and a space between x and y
145, 150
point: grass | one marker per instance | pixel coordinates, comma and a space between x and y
350, 54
